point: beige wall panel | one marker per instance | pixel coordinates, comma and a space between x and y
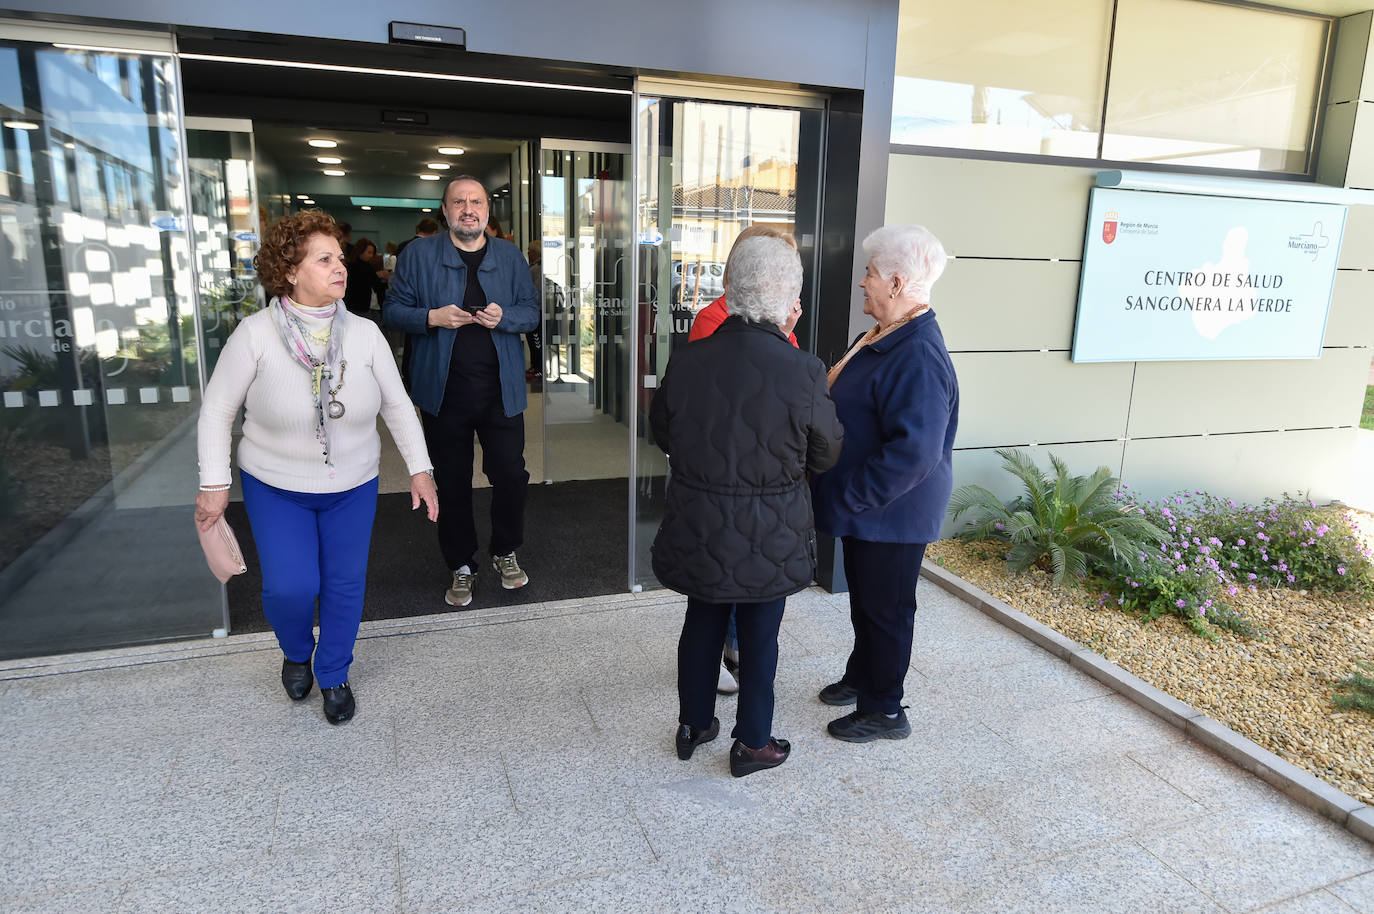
1245, 467
1351, 321
992, 209
1022, 398
1007, 304
984, 467
1193, 398
1360, 170
1357, 246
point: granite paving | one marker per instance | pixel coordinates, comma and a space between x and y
522, 760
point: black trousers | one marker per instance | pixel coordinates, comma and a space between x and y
882, 605
698, 665
449, 437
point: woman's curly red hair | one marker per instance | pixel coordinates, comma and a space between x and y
284, 246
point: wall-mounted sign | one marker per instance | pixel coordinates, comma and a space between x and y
1184, 276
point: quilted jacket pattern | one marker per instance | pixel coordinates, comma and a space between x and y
743, 415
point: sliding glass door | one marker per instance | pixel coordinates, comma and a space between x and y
705, 170
99, 366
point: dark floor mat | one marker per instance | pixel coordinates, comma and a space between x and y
576, 545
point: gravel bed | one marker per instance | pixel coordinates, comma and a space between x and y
1276, 691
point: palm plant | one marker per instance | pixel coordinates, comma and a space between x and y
1064, 524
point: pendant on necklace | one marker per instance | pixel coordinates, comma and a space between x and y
336, 409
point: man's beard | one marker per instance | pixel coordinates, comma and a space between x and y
468, 235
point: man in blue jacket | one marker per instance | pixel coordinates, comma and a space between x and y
464, 298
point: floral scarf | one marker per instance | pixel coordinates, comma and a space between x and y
290, 324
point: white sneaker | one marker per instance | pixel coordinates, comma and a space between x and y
726, 684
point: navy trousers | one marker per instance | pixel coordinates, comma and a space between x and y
882, 605
698, 665
313, 547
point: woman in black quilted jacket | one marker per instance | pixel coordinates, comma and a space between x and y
744, 416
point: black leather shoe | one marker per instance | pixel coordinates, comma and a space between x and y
839, 694
688, 738
296, 678
338, 703
744, 760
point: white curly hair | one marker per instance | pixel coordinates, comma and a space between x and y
908, 251
765, 279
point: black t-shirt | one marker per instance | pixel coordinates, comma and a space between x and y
473, 370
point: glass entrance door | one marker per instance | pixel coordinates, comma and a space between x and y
580, 267
99, 366
706, 170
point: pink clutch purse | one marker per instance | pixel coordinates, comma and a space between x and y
222, 551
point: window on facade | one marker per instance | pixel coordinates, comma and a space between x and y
1003, 75
1193, 82
1239, 89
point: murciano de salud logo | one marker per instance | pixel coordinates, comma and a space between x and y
1109, 227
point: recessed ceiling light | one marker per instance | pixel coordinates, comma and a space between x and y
322, 144
335, 173
367, 208
524, 180
302, 196
21, 125
426, 210
328, 160
308, 202
439, 166
429, 177
450, 150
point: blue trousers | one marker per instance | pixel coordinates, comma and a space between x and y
698, 665
882, 605
313, 547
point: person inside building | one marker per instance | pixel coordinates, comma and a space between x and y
737, 532
464, 298
898, 397
423, 229
346, 238
711, 317
364, 280
707, 321
389, 258
313, 378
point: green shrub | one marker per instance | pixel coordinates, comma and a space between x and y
1064, 524
1357, 691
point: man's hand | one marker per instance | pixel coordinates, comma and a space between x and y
489, 316
450, 316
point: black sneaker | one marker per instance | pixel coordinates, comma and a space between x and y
839, 694
864, 728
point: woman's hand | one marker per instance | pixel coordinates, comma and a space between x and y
422, 489
210, 507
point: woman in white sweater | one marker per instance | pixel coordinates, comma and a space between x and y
313, 379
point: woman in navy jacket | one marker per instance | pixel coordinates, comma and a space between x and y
898, 398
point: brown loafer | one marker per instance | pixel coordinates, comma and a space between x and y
744, 760
688, 738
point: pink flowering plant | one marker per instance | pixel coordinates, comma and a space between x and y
1217, 548
1289, 542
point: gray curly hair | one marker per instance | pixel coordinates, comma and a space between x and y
765, 279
